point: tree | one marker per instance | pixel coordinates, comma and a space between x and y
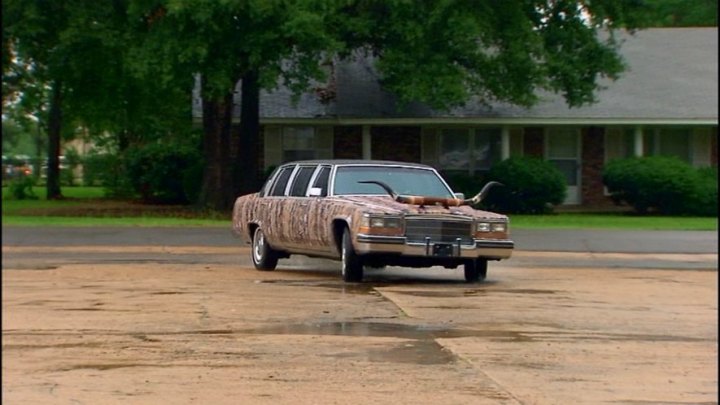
447, 52
48, 48
30, 41
145, 53
682, 13
253, 42
441, 52
67, 64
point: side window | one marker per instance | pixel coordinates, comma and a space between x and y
321, 181
278, 188
268, 184
300, 184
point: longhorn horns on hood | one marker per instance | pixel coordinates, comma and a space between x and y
446, 202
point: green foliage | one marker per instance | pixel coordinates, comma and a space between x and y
165, 173
662, 184
704, 200
464, 183
127, 67
682, 13
94, 165
531, 186
21, 188
107, 170
444, 52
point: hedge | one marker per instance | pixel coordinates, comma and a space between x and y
662, 185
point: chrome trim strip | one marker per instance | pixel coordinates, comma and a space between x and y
492, 249
395, 240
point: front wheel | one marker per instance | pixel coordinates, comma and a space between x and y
352, 267
263, 256
475, 270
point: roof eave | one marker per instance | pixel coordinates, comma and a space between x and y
525, 121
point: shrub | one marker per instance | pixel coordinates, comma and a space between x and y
532, 186
663, 185
107, 170
464, 183
164, 173
21, 188
94, 165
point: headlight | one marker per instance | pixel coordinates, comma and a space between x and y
491, 227
381, 224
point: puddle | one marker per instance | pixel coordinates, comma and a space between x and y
471, 292
30, 267
422, 352
348, 288
421, 348
106, 367
367, 329
167, 293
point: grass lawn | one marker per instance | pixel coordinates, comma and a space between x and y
612, 221
87, 206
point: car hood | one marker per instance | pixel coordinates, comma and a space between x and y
386, 205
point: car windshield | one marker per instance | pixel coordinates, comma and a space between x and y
403, 180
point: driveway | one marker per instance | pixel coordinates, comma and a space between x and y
176, 316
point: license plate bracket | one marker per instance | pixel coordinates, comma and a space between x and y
442, 249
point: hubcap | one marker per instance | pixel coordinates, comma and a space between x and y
259, 244
344, 259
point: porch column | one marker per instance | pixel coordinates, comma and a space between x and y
638, 149
366, 142
505, 143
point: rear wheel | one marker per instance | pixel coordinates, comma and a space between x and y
352, 268
263, 256
475, 270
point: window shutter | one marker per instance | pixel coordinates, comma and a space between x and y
324, 142
273, 146
429, 146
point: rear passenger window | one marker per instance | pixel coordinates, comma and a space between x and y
321, 181
281, 182
301, 181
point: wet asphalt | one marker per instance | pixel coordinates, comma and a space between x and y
553, 240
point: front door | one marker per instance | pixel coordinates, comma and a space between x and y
562, 148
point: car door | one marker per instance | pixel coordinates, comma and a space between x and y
296, 229
273, 208
319, 223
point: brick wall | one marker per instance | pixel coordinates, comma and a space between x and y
348, 142
592, 158
396, 143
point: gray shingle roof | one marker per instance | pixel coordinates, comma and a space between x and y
672, 76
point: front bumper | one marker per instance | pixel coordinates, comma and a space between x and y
494, 249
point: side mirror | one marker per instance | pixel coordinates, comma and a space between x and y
315, 192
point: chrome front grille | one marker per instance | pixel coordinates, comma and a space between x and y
438, 230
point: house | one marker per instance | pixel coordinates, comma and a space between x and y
666, 103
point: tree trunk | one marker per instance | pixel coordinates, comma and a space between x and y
247, 163
217, 187
231, 173
54, 136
